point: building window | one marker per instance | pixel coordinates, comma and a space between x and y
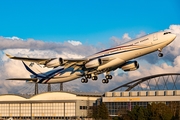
83, 107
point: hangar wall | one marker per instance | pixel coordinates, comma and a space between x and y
50, 105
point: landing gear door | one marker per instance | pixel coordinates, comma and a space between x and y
155, 36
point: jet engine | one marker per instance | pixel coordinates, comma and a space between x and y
94, 63
55, 62
130, 66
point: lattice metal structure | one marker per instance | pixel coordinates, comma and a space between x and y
167, 81
33, 88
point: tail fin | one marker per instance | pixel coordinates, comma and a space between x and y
35, 69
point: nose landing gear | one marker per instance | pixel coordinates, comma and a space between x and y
160, 54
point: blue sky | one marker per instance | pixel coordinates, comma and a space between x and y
88, 21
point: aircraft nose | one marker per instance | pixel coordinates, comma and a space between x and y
173, 36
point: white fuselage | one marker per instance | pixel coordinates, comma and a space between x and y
136, 48
122, 53
68, 76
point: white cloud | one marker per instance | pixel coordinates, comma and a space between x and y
126, 37
14, 68
75, 43
144, 86
174, 29
174, 47
142, 33
116, 40
13, 38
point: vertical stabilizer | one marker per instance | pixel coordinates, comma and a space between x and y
35, 69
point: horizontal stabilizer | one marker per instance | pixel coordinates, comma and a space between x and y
24, 79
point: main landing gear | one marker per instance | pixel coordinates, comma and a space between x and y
89, 76
94, 77
160, 54
108, 77
84, 80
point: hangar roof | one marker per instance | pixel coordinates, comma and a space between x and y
59, 95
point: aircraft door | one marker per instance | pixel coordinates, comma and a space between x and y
155, 36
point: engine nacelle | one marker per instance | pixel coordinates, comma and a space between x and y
54, 63
93, 63
130, 66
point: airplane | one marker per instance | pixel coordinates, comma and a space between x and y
63, 70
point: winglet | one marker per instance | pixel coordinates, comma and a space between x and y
8, 55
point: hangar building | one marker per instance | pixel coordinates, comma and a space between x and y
49, 105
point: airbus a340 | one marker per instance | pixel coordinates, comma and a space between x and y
63, 70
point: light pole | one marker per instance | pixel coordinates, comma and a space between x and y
130, 104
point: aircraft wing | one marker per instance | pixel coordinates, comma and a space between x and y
77, 64
37, 60
52, 62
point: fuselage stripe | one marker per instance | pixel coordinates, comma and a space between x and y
120, 51
53, 73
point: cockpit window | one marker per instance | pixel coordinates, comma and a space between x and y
167, 33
